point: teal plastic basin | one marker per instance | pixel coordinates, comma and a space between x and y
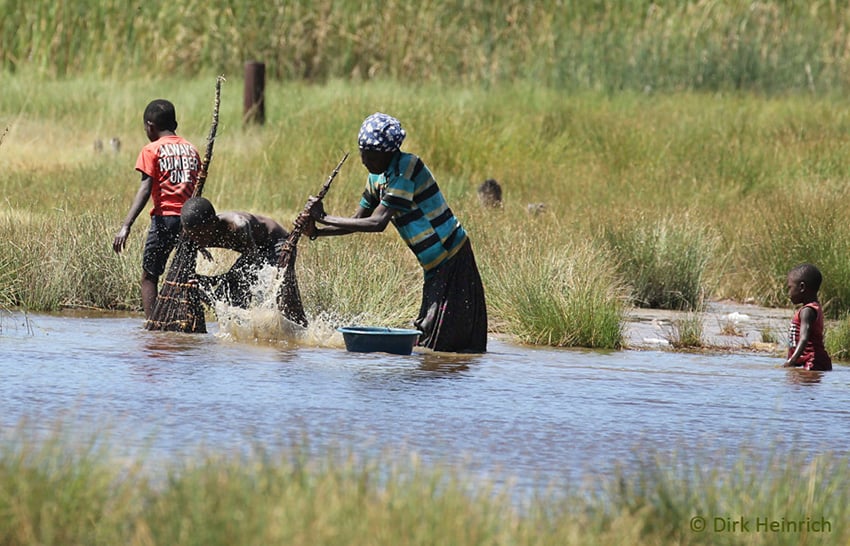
379, 339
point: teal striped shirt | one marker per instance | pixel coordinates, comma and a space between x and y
422, 216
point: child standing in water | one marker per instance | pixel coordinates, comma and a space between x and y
805, 338
169, 166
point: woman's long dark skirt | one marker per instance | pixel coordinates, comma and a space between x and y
453, 314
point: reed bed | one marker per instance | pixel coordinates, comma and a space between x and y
778, 236
59, 490
607, 46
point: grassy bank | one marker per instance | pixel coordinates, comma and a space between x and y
605, 45
649, 200
56, 492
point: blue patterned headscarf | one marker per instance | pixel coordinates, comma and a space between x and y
381, 132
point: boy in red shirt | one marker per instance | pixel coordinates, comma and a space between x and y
805, 338
169, 165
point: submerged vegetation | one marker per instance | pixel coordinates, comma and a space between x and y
60, 492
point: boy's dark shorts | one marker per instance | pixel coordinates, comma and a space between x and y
162, 238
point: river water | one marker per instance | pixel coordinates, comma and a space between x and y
534, 415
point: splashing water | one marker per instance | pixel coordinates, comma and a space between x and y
262, 321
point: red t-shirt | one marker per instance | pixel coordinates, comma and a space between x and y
173, 164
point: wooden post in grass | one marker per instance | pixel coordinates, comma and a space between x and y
255, 93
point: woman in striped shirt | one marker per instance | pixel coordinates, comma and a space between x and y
401, 190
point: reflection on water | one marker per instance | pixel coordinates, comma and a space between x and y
804, 377
445, 365
536, 414
165, 345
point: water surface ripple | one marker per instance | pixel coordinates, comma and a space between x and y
530, 413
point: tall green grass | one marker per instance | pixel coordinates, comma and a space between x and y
664, 260
65, 261
837, 339
687, 332
56, 490
360, 284
787, 230
669, 492
553, 294
606, 46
